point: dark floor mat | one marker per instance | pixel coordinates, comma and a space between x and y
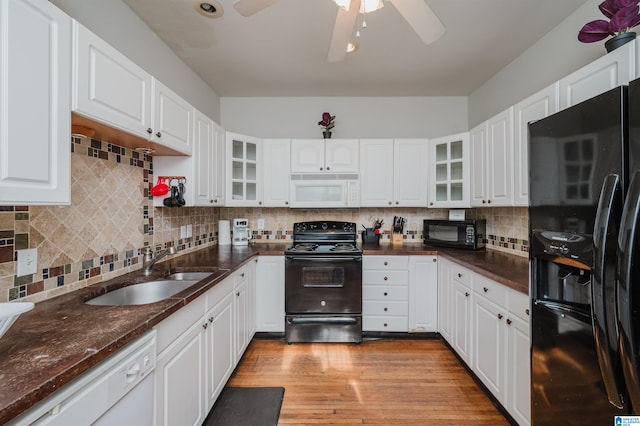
246, 407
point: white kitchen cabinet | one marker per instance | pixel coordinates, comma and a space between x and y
423, 294
376, 172
385, 293
462, 314
220, 359
244, 308
204, 171
535, 107
492, 161
449, 171
270, 294
324, 155
35, 92
605, 73
410, 172
110, 88
445, 288
252, 269
518, 388
277, 172
244, 171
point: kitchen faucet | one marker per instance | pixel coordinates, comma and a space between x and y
149, 260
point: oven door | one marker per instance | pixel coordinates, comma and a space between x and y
323, 284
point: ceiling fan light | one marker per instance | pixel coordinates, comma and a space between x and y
209, 8
352, 46
367, 6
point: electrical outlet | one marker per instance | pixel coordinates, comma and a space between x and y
183, 231
260, 224
189, 231
27, 262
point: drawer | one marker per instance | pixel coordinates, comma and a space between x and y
385, 262
461, 274
376, 323
385, 308
497, 293
519, 305
219, 292
385, 277
240, 276
382, 293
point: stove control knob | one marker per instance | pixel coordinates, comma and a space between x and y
323, 303
324, 226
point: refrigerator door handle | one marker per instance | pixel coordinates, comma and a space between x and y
603, 312
628, 298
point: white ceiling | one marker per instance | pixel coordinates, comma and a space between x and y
282, 50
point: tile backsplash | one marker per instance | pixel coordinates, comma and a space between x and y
111, 221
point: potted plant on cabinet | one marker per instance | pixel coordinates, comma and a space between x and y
328, 123
623, 15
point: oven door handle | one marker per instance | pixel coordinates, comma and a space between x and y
327, 259
322, 320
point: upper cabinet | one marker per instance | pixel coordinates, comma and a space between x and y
277, 170
113, 90
244, 174
535, 107
449, 171
606, 72
376, 172
35, 92
492, 161
324, 155
410, 172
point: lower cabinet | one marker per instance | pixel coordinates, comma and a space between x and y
270, 294
487, 324
423, 293
385, 293
200, 345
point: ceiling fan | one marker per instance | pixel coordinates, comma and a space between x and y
416, 12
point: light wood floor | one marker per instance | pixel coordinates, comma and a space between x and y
390, 382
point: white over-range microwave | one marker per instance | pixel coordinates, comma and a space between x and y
327, 190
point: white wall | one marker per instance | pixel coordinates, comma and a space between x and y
356, 117
115, 22
554, 56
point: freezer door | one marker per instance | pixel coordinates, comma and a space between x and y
603, 296
628, 276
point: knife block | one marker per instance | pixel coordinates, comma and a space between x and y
397, 239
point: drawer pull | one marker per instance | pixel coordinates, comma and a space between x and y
210, 319
526, 311
205, 325
386, 278
499, 316
386, 309
508, 321
466, 294
386, 263
242, 274
385, 324
459, 275
485, 289
238, 293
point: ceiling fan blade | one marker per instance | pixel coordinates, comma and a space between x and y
249, 7
421, 18
342, 31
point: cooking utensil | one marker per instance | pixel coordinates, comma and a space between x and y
160, 188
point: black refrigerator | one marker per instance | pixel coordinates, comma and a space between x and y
585, 280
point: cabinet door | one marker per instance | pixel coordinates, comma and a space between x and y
220, 353
307, 156
203, 158
410, 172
535, 107
244, 173
35, 57
376, 172
240, 308
179, 377
277, 173
605, 73
479, 164
219, 165
445, 288
518, 370
108, 86
172, 119
270, 294
461, 330
500, 169
489, 346
423, 293
341, 155
449, 171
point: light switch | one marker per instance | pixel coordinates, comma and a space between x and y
27, 262
189, 231
260, 224
183, 231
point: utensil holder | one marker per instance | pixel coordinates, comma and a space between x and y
370, 237
397, 239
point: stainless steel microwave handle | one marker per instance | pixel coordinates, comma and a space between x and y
327, 259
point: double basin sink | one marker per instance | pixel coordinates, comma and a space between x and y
153, 291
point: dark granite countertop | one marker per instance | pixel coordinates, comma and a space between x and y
62, 337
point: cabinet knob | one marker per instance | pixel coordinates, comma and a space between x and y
397, 202
149, 130
286, 203
488, 201
466, 294
320, 168
386, 309
386, 263
385, 324
484, 201
459, 275
242, 274
385, 293
386, 278
526, 311
259, 203
212, 201
508, 321
431, 203
499, 316
210, 319
158, 134
238, 293
390, 203
435, 260
205, 325
485, 289
328, 168
215, 201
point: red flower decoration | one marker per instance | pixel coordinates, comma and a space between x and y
327, 121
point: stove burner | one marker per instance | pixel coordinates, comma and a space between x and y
344, 247
305, 247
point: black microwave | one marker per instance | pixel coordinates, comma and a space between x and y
465, 234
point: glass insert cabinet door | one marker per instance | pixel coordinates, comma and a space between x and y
244, 182
449, 180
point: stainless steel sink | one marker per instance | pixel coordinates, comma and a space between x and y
141, 294
197, 276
